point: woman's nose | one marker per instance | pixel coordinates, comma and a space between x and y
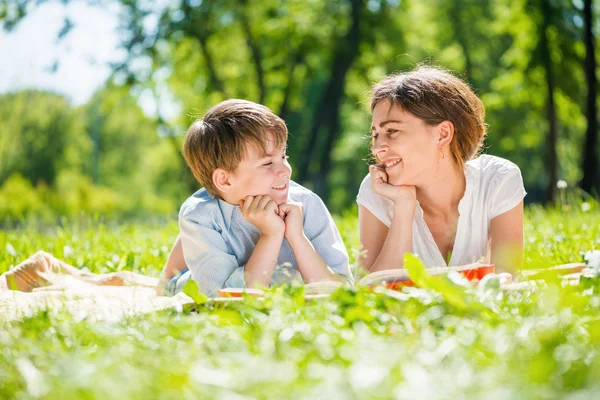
379, 146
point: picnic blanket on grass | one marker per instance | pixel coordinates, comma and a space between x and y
83, 300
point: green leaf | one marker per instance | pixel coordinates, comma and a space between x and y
191, 289
453, 294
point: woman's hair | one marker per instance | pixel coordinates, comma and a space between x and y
435, 95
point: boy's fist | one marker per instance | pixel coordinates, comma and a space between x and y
293, 215
262, 212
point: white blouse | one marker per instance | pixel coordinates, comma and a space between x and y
493, 186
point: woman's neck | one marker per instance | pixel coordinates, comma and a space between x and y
441, 196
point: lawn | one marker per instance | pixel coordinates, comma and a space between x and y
448, 342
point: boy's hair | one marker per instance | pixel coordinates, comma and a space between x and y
218, 140
435, 95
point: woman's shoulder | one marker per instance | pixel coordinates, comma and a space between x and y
490, 165
366, 195
366, 184
497, 182
488, 171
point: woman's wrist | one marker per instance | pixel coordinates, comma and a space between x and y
404, 210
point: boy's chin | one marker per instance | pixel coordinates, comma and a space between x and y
281, 199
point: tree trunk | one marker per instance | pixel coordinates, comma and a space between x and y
590, 181
254, 51
462, 38
287, 92
321, 179
185, 175
328, 110
96, 141
215, 82
551, 108
196, 27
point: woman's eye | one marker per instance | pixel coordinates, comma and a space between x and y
268, 164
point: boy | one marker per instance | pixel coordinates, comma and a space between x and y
249, 217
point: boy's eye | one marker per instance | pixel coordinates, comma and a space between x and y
391, 131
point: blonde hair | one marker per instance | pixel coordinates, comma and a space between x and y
219, 139
435, 95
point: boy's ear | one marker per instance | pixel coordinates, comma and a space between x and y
446, 133
221, 180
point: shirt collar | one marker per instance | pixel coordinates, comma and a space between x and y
227, 211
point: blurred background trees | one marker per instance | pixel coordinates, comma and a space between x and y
312, 62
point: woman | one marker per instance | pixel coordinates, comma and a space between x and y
428, 194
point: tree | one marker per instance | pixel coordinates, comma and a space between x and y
327, 113
591, 176
546, 60
40, 135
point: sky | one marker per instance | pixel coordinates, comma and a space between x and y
30, 50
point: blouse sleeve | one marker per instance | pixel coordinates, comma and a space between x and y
379, 206
507, 189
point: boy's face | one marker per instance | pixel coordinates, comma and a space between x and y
261, 174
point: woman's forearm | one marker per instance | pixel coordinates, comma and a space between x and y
398, 241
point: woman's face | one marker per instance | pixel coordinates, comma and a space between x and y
407, 146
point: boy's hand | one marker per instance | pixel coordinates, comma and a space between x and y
293, 215
396, 193
262, 212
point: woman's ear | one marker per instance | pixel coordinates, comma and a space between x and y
446, 133
221, 180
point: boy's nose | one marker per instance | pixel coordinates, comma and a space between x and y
284, 171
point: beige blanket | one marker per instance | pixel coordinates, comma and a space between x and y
84, 300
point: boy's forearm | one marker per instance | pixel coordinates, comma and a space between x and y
175, 264
310, 263
262, 262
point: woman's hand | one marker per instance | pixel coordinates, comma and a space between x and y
396, 193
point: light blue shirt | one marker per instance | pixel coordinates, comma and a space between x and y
217, 240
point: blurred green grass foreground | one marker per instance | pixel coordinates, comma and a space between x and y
542, 342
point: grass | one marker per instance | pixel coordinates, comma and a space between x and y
537, 343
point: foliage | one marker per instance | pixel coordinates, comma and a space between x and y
445, 342
292, 56
40, 134
105, 157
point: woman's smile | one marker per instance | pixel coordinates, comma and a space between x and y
391, 163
